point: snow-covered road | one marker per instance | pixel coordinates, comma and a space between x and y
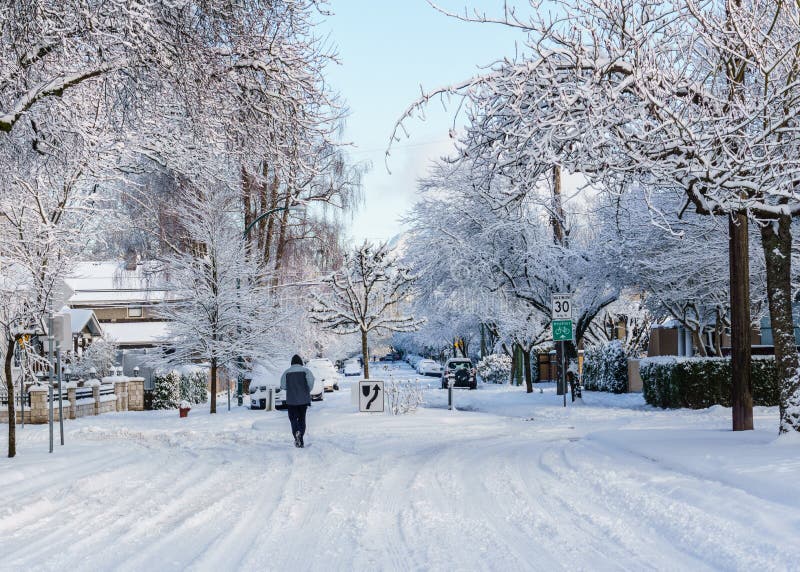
510, 482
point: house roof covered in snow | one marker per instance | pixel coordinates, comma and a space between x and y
137, 333
110, 283
81, 319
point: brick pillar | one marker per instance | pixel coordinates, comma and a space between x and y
38, 412
71, 397
121, 391
96, 396
135, 394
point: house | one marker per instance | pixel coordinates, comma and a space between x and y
673, 339
85, 327
124, 297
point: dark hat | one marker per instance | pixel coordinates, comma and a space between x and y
297, 360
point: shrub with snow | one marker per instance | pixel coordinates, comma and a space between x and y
166, 390
605, 368
494, 368
403, 396
193, 386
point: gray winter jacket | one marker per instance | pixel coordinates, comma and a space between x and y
298, 381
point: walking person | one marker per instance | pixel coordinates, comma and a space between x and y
298, 382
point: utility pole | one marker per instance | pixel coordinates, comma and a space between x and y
50, 370
739, 257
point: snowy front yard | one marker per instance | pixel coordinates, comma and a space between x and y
510, 482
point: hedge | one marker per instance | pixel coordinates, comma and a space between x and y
605, 368
170, 388
697, 383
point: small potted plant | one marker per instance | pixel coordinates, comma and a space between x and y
184, 408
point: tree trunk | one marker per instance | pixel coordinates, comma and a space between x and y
12, 414
718, 330
526, 365
741, 387
273, 204
514, 361
776, 240
365, 353
213, 385
557, 218
283, 234
697, 340
520, 367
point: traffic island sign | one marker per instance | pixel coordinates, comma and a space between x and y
370, 396
562, 330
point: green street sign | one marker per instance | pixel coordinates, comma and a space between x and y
562, 330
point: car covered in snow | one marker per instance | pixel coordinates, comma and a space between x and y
352, 367
259, 393
460, 372
429, 367
323, 369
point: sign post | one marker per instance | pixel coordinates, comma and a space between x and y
562, 332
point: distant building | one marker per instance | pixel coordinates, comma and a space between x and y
85, 327
124, 297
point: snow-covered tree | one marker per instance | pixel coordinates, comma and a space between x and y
221, 310
100, 356
366, 295
498, 255
48, 196
699, 97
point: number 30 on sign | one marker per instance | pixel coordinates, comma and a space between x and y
562, 306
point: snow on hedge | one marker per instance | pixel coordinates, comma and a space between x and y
605, 368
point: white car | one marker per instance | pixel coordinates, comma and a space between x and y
429, 367
323, 370
259, 395
352, 367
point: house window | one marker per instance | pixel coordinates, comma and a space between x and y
134, 311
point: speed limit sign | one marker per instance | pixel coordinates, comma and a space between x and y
562, 306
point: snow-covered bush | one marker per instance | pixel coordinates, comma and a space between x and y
605, 368
101, 355
494, 368
697, 383
166, 390
193, 386
403, 396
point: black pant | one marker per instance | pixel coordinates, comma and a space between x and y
297, 417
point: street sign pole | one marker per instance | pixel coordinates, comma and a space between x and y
564, 370
60, 393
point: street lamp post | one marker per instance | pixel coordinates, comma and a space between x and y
245, 234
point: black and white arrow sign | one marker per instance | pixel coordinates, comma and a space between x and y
370, 396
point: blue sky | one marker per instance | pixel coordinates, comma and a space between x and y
387, 49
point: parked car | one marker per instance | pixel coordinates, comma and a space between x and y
323, 369
429, 367
258, 395
352, 367
461, 372
391, 357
